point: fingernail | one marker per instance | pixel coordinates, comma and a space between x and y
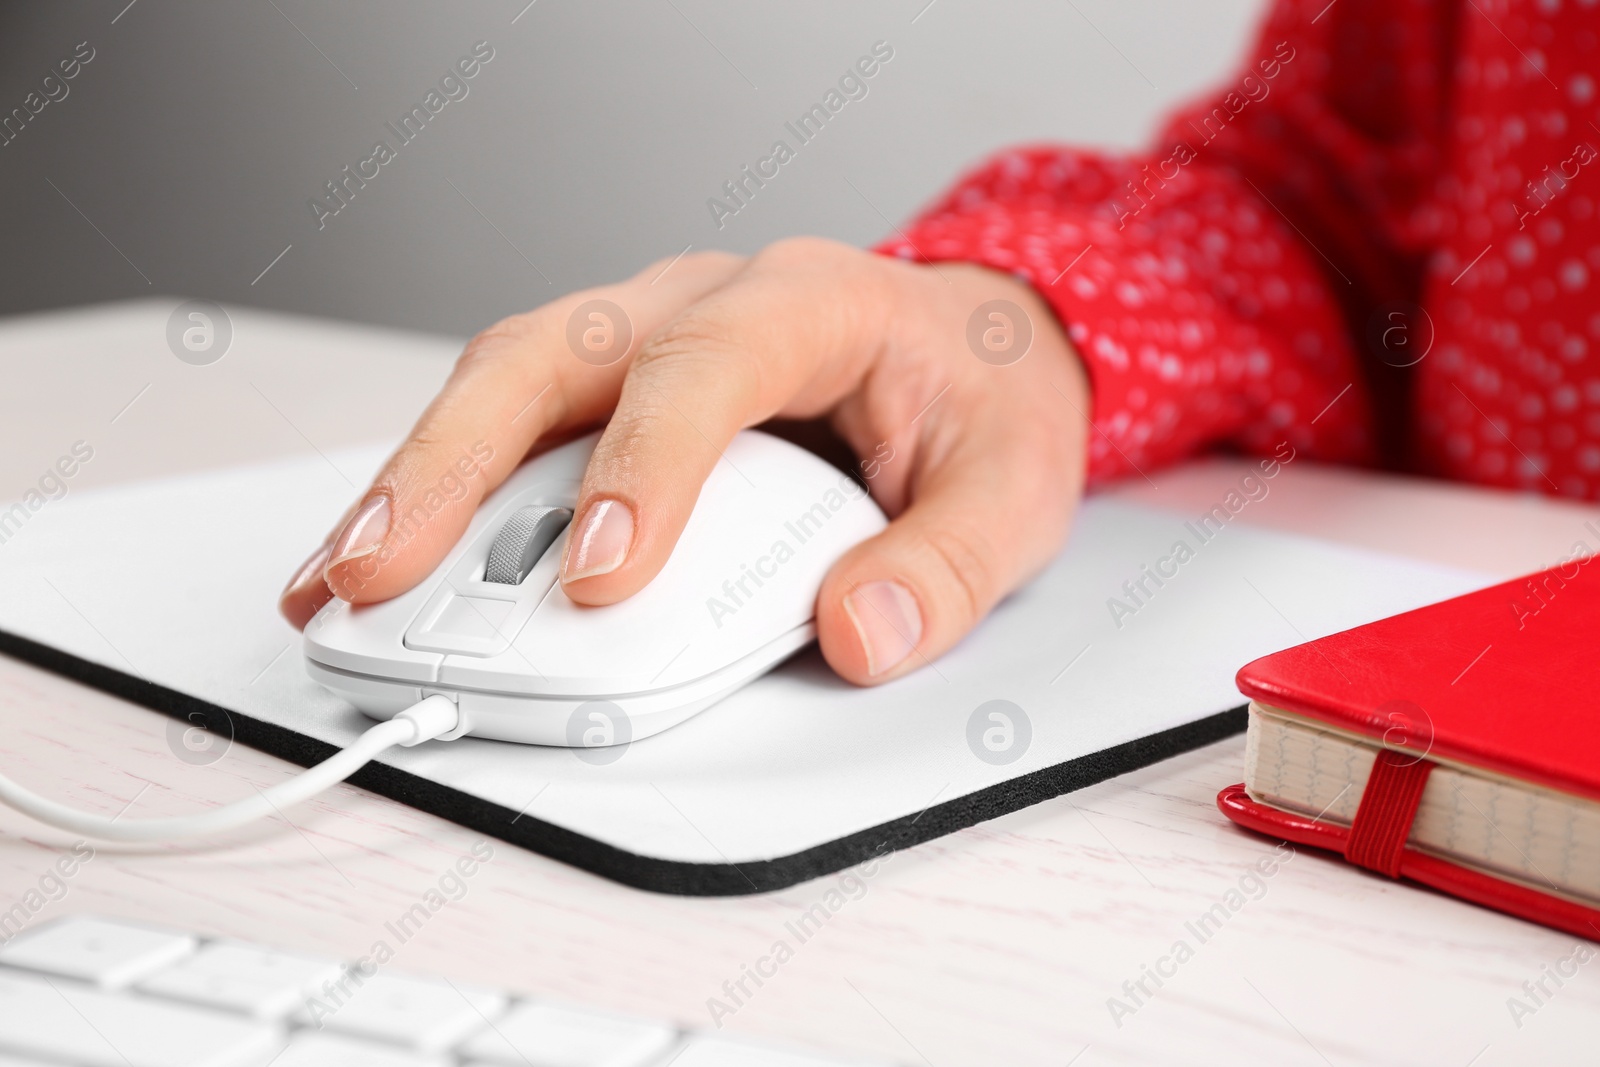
311, 570
362, 535
306, 592
888, 622
601, 542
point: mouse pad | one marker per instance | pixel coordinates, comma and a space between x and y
164, 592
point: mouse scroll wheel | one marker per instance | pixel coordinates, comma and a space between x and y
522, 540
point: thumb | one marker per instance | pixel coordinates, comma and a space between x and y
987, 518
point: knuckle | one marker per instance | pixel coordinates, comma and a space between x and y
708, 262
857, 288
697, 347
711, 261
803, 252
427, 441
627, 444
717, 258
685, 340
507, 339
430, 464
965, 560
701, 356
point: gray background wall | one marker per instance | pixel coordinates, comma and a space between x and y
587, 147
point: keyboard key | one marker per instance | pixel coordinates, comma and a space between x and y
102, 993
417, 1013
243, 978
727, 1052
111, 955
59, 1021
326, 1050
550, 1035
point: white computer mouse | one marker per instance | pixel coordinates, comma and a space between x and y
493, 629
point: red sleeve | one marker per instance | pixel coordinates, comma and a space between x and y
1215, 285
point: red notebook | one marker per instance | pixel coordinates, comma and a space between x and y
1457, 746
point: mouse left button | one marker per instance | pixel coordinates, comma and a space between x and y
524, 538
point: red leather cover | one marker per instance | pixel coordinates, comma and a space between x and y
1506, 678
1464, 882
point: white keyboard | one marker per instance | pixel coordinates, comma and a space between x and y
96, 992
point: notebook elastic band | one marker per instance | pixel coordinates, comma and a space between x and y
1383, 819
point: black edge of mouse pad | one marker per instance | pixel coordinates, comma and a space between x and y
644, 872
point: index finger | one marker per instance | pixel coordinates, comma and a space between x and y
515, 383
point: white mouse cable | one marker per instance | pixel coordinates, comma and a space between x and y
433, 717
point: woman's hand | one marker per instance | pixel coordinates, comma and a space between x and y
977, 455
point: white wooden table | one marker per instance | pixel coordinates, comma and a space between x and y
998, 944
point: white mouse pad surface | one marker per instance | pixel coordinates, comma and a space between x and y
793, 777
